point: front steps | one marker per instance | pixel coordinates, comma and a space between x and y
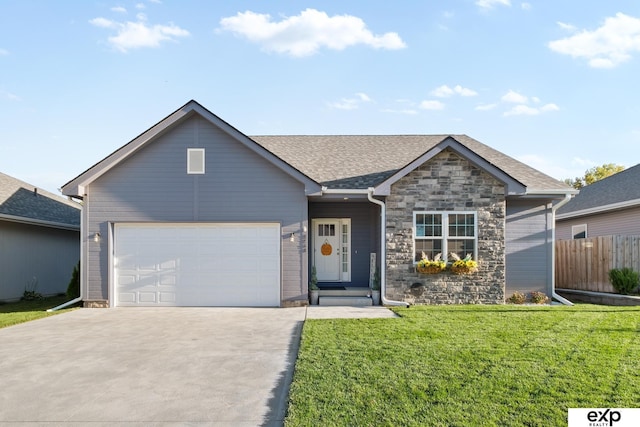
354, 297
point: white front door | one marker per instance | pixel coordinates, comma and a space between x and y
332, 249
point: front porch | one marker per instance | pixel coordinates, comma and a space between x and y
344, 233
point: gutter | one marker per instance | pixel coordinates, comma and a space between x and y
383, 251
558, 205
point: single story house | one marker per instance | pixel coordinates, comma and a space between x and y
195, 213
39, 240
607, 207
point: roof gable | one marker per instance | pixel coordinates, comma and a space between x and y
22, 202
512, 186
614, 192
76, 187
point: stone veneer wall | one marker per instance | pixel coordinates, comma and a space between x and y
448, 182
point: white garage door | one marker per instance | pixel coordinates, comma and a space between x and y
197, 264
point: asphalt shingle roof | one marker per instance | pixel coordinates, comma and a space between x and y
620, 187
361, 161
17, 198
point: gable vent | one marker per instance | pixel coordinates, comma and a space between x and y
195, 160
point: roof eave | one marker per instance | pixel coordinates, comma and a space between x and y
599, 209
39, 222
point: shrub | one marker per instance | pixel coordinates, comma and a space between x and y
30, 293
73, 289
539, 298
517, 298
624, 280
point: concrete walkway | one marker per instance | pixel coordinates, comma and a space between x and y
155, 366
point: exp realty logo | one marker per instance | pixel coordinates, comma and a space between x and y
604, 417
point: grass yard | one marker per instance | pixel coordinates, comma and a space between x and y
467, 366
23, 311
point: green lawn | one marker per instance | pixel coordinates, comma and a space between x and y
467, 366
23, 311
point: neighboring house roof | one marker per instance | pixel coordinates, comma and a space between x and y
617, 191
361, 161
22, 202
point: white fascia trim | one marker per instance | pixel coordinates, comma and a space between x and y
600, 209
326, 190
534, 192
39, 222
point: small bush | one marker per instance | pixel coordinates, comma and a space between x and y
73, 289
517, 298
624, 280
30, 293
539, 298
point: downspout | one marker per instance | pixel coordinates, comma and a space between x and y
559, 298
383, 251
81, 276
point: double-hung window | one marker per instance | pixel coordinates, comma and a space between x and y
444, 232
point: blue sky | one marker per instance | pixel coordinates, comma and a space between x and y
551, 83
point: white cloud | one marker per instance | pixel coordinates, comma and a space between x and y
463, 91
488, 4
135, 35
514, 97
103, 23
486, 107
525, 110
140, 6
350, 103
549, 107
304, 34
431, 105
605, 47
4, 52
445, 91
119, 9
363, 97
567, 27
525, 6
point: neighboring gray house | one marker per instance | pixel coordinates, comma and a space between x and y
39, 239
194, 213
610, 206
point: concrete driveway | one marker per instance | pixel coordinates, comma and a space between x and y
182, 366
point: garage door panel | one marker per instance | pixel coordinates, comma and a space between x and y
197, 264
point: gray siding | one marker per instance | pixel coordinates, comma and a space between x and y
28, 251
238, 186
623, 221
364, 233
528, 247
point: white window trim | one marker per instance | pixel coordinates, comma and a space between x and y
190, 170
579, 227
445, 232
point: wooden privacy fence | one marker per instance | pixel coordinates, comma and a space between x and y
584, 264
